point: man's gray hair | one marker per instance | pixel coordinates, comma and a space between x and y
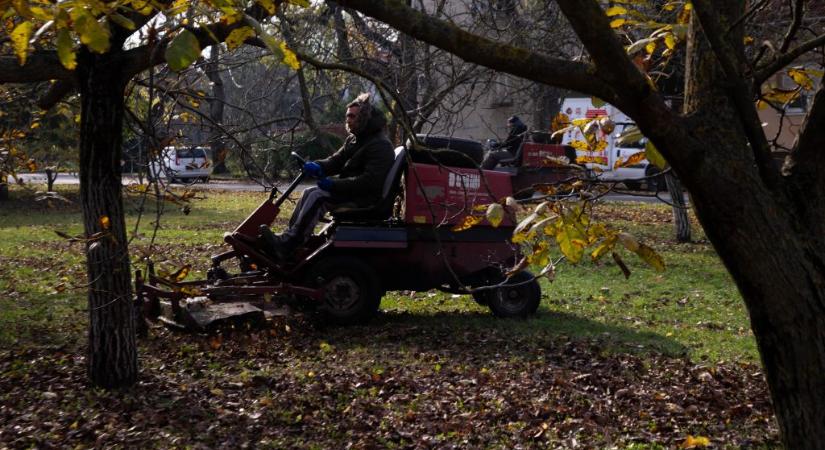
362, 102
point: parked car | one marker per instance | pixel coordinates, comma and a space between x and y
187, 164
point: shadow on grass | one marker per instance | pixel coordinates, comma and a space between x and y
475, 329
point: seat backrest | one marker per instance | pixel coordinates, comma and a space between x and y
395, 171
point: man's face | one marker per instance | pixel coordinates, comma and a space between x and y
352, 121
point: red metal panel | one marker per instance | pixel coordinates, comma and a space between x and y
265, 214
535, 155
445, 195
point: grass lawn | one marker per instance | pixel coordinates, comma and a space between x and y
607, 362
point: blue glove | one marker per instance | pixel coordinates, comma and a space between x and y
313, 169
325, 184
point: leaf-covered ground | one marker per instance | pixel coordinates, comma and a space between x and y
401, 382
656, 361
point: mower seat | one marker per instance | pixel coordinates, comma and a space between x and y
382, 210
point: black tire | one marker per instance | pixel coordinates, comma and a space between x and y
514, 301
633, 185
450, 151
352, 289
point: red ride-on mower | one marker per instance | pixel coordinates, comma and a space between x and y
343, 271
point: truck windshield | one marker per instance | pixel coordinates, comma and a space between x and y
191, 153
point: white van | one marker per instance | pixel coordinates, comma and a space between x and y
603, 159
187, 164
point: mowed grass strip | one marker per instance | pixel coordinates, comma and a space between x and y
692, 309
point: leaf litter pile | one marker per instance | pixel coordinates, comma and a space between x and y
400, 382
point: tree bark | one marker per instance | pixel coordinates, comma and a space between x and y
112, 354
217, 143
680, 211
760, 235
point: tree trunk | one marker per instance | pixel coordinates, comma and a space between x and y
680, 211
112, 353
217, 143
773, 255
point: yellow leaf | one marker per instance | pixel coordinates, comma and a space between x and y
670, 41
629, 242
616, 23
467, 223
20, 40
650, 47
31, 165
631, 160
301, 3
781, 96
651, 257
606, 246
181, 273
615, 11
579, 145
104, 222
495, 214
570, 243
35, 125
238, 36
290, 58
65, 49
560, 120
694, 442
801, 78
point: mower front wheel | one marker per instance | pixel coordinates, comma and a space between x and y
352, 292
519, 297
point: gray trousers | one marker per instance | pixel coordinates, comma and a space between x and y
492, 158
311, 207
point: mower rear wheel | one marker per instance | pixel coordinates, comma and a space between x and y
352, 292
520, 297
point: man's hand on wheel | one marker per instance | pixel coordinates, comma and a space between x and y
313, 169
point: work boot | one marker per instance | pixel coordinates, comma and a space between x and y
278, 245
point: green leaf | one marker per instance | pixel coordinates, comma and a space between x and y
183, 51
65, 49
20, 40
122, 21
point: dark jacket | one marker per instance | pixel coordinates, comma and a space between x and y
361, 164
514, 138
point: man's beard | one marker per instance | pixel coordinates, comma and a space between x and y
355, 128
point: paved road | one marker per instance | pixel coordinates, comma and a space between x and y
247, 186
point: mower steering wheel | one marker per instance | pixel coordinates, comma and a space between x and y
299, 158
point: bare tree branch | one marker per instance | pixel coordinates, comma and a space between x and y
781, 61
479, 50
